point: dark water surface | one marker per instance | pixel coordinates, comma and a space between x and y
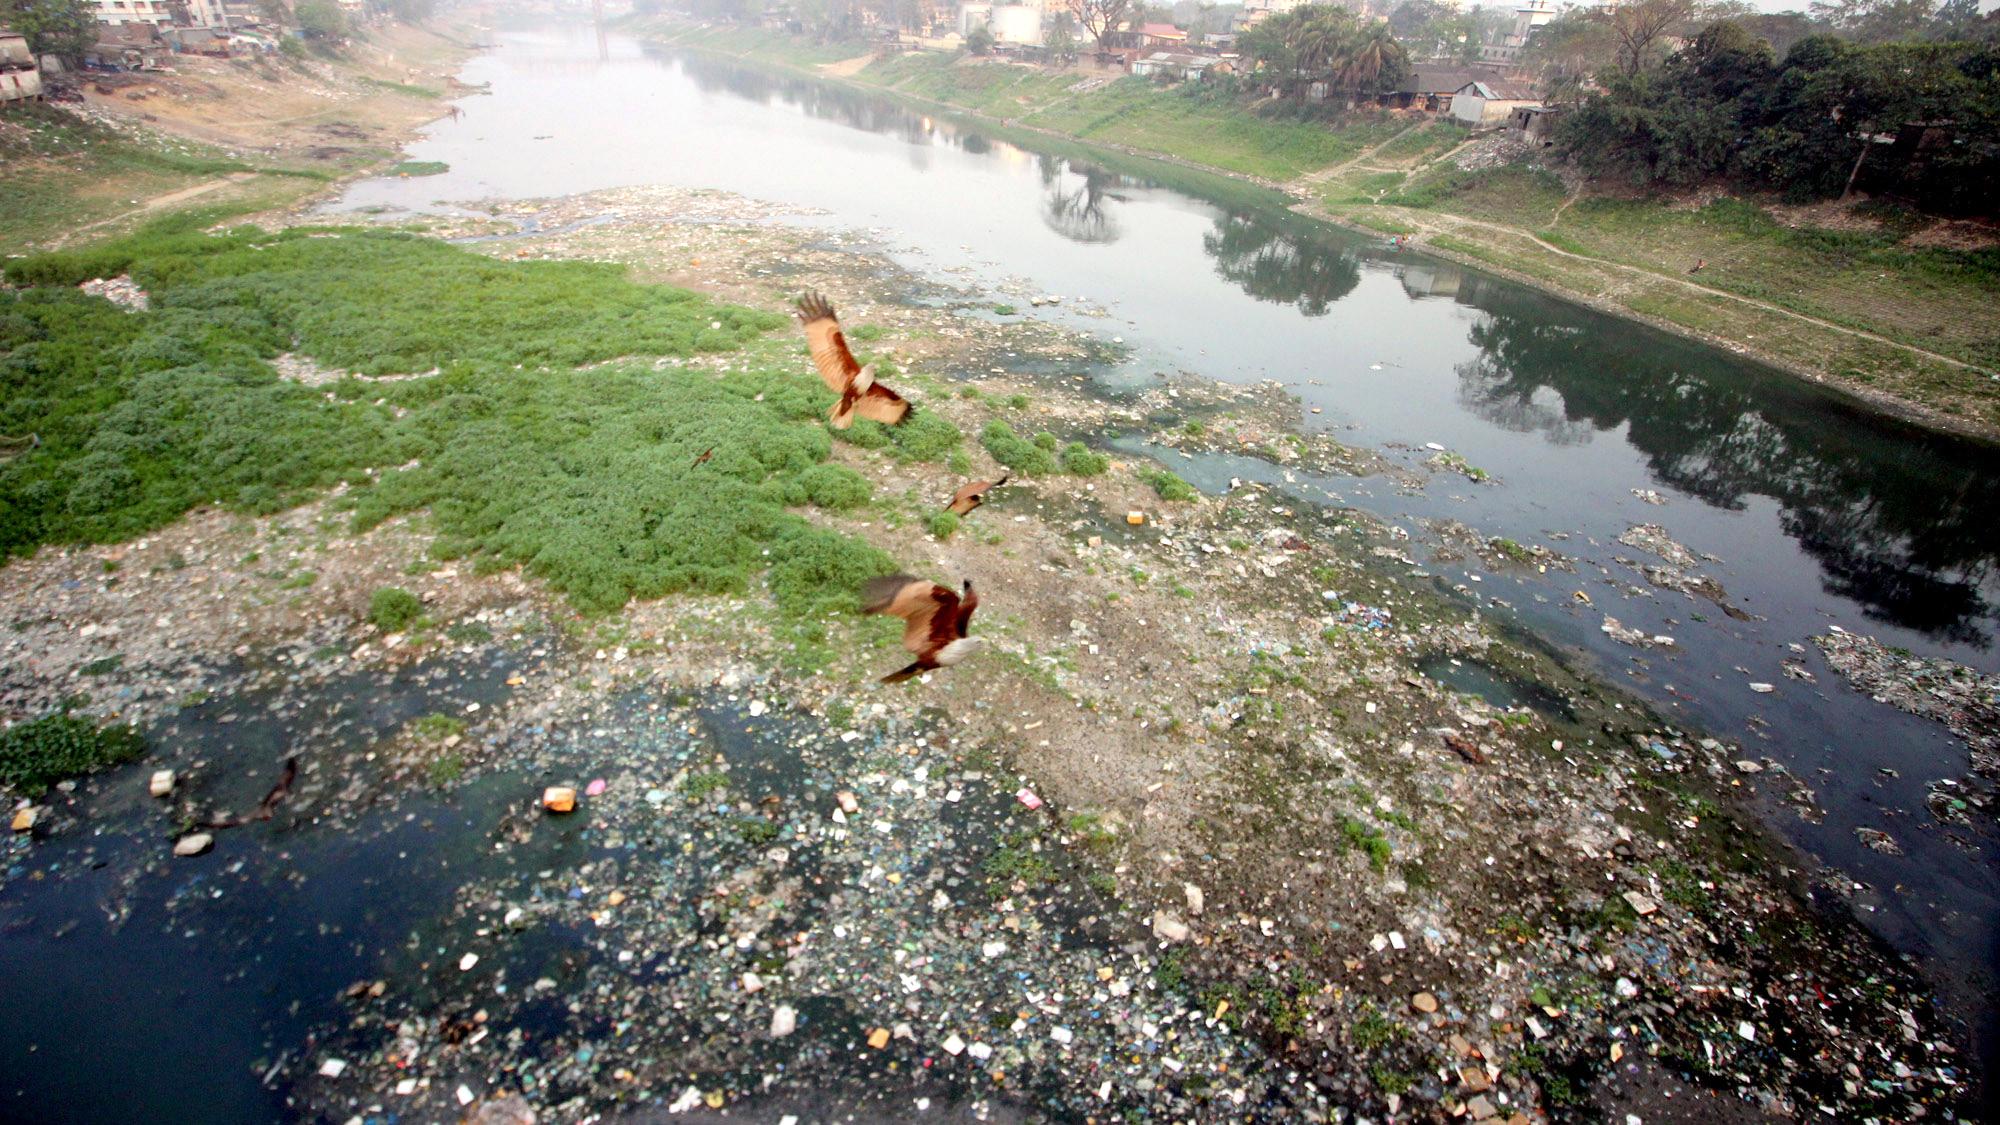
1820, 512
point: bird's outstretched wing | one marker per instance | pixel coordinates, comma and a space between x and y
879, 404
837, 366
929, 611
973, 495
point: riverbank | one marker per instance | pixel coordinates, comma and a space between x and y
1881, 305
243, 135
1266, 824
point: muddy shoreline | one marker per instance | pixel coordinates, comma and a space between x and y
1321, 881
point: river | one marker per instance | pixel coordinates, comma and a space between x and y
1816, 511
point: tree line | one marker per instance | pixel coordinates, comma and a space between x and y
1897, 97
1322, 50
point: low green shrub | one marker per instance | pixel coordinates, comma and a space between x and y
1079, 460
1167, 485
35, 755
391, 609
1011, 450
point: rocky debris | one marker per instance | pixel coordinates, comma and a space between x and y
1637, 637
161, 784
121, 291
26, 817
559, 799
1879, 840
1966, 701
193, 844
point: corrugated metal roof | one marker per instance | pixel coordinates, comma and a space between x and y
1499, 90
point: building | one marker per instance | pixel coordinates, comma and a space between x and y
134, 45
1180, 66
116, 13
20, 78
1019, 24
1491, 101
1255, 12
1429, 87
1529, 16
1537, 122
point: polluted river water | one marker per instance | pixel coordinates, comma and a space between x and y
1808, 510
1804, 511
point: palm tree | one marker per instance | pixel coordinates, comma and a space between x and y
1369, 54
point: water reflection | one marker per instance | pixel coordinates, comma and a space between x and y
1078, 204
1283, 262
1908, 535
828, 102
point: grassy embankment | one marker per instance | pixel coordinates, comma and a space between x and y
251, 134
1100, 108
63, 172
1866, 309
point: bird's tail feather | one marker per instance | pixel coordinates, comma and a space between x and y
904, 674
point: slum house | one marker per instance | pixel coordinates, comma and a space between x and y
1430, 86
214, 42
126, 46
1537, 122
20, 77
1180, 66
1490, 101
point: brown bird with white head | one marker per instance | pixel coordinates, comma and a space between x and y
860, 395
973, 495
934, 620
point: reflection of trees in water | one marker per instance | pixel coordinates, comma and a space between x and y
832, 103
1286, 266
1489, 387
1076, 204
1899, 521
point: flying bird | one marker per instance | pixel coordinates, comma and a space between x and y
860, 395
934, 617
973, 495
699, 461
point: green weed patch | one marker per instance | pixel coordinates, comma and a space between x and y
36, 755
584, 477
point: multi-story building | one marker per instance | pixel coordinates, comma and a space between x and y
1529, 16
156, 12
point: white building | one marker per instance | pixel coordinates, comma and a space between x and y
1009, 23
115, 12
1529, 16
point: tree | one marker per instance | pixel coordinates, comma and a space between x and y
1639, 26
63, 28
1876, 21
1569, 51
320, 19
1099, 17
1374, 62
1060, 44
980, 40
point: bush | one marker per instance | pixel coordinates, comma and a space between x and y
1008, 448
1079, 460
942, 524
391, 609
36, 755
833, 486
1166, 485
925, 435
